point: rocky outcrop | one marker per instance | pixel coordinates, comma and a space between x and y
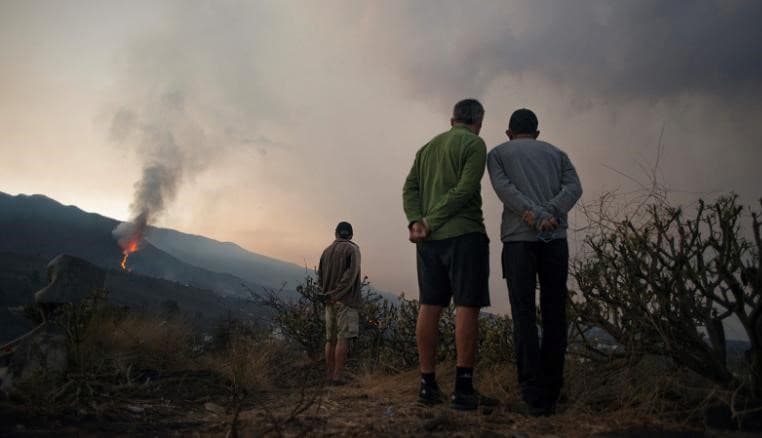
70, 280
44, 349
41, 352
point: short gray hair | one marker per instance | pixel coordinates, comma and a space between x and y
468, 111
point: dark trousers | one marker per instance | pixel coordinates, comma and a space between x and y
540, 363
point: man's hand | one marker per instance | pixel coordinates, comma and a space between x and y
418, 232
549, 224
528, 217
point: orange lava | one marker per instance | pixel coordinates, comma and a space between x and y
132, 246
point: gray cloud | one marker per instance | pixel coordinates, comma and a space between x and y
605, 78
651, 48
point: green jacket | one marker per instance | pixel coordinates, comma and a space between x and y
443, 188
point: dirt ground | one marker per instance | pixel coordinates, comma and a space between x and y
371, 405
385, 406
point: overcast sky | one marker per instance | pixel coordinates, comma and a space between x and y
286, 117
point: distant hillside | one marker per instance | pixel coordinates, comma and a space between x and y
22, 275
229, 258
39, 226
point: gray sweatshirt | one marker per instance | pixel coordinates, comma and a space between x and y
532, 175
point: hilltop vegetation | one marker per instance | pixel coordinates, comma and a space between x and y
135, 373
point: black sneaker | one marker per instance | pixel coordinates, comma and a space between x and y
470, 401
429, 395
550, 410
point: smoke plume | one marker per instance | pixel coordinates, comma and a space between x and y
172, 110
168, 142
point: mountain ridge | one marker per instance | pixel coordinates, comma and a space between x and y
41, 226
228, 257
29, 224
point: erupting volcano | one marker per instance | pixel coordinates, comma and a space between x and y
131, 247
129, 235
159, 129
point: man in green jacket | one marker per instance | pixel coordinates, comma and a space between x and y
443, 205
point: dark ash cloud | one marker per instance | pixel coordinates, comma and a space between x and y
651, 48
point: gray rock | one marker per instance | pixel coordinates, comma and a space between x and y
70, 280
43, 353
214, 408
135, 409
43, 350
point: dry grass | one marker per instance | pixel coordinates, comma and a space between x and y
384, 404
141, 342
251, 365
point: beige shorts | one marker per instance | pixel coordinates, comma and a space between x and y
341, 322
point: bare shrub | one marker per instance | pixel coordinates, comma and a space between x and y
662, 281
300, 321
142, 341
387, 329
250, 358
495, 340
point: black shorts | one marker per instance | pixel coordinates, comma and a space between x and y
457, 267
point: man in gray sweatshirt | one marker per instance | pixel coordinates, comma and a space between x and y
538, 186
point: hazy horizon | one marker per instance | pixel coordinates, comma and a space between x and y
277, 119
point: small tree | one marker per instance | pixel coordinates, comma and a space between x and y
300, 320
